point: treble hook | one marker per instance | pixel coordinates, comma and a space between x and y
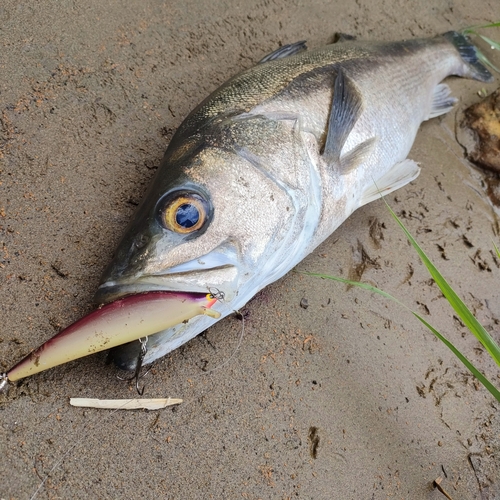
138, 367
216, 294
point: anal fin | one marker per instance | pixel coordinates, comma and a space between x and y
442, 101
398, 176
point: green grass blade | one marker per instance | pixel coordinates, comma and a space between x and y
365, 286
455, 301
471, 30
490, 42
486, 61
497, 250
493, 390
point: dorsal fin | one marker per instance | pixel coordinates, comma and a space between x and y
285, 51
343, 37
347, 106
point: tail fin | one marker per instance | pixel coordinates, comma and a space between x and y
470, 55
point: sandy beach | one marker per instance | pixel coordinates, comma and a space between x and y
349, 398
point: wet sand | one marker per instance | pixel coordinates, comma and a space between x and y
348, 399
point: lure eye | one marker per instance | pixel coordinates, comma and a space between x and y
185, 213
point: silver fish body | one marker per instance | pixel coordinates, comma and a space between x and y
270, 164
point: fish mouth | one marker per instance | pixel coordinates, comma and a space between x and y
218, 281
110, 291
217, 272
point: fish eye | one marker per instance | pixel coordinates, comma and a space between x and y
184, 213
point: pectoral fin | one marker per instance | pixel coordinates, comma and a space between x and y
400, 174
353, 158
347, 107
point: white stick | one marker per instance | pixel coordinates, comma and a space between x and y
125, 404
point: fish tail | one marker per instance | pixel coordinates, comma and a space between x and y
470, 55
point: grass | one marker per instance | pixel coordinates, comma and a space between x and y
455, 302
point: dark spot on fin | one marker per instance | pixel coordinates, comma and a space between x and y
470, 55
285, 51
442, 101
343, 37
346, 108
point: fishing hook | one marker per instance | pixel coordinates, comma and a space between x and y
216, 294
137, 374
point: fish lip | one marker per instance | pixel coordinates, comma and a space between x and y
114, 293
182, 277
112, 290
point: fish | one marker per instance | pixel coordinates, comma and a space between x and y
270, 164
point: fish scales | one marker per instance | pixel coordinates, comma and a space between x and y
296, 74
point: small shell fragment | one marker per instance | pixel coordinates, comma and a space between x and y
125, 404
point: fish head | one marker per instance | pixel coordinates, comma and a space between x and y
210, 222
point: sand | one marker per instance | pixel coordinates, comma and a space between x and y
348, 399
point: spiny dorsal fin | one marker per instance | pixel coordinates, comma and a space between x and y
398, 176
285, 51
343, 37
346, 108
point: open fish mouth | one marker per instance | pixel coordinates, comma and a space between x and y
220, 280
111, 291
